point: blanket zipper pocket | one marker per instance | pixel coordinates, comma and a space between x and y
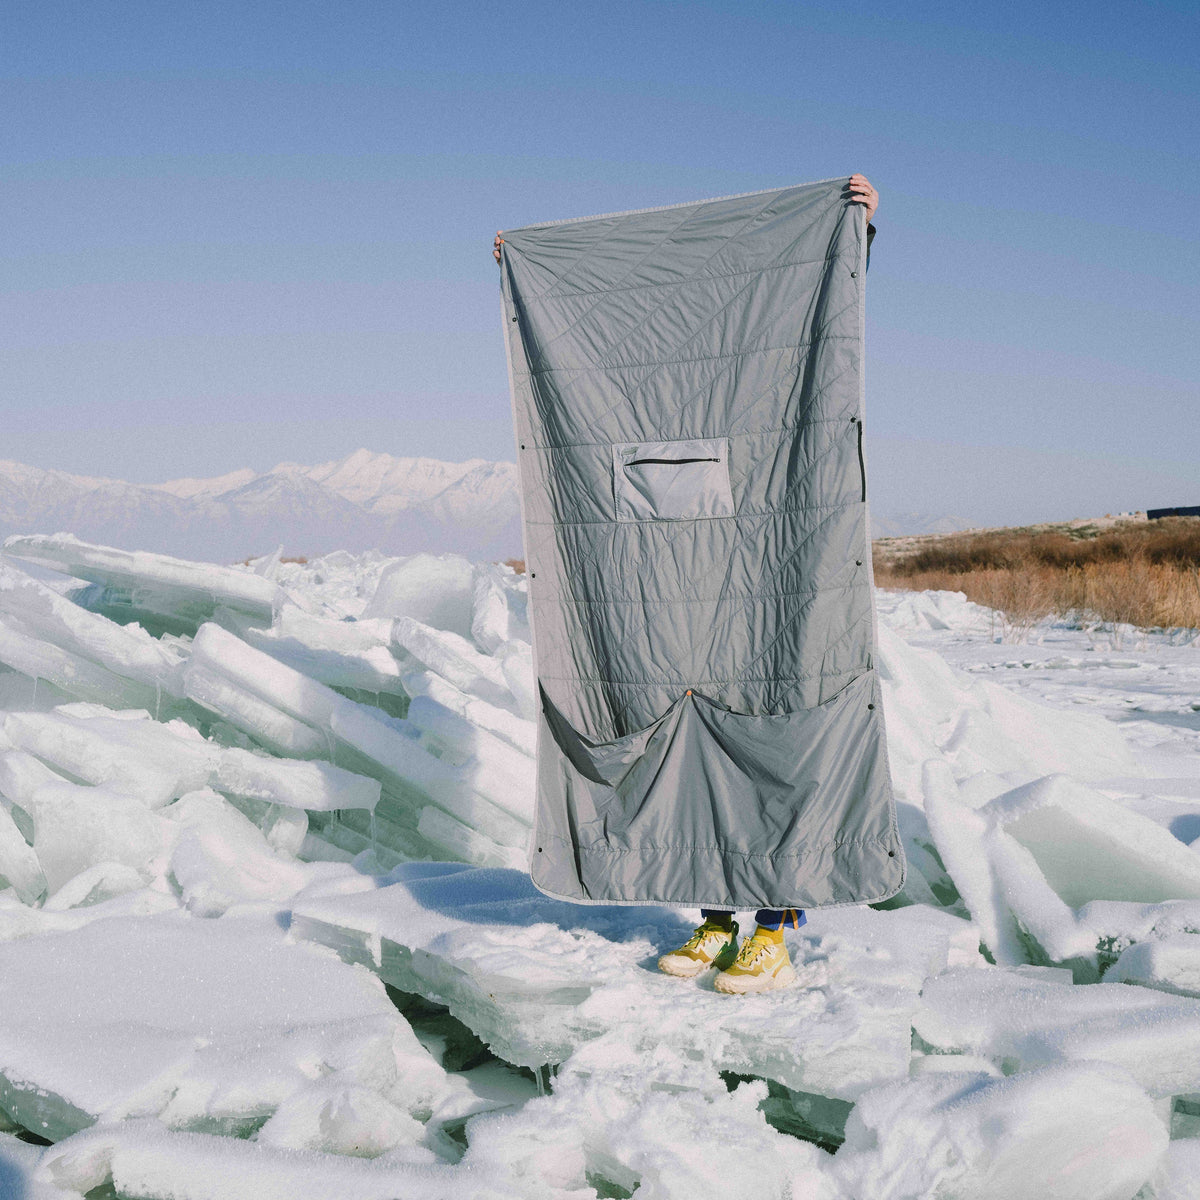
672, 481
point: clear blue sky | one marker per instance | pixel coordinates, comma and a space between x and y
236, 233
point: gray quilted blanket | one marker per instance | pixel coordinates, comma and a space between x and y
688, 398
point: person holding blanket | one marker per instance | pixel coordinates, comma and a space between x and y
761, 963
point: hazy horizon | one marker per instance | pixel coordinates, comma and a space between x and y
1102, 485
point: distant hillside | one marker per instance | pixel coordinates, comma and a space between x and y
365, 501
362, 502
913, 523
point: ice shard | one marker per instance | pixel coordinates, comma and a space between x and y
158, 590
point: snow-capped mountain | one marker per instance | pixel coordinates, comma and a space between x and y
365, 501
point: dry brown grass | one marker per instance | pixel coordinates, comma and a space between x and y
1145, 574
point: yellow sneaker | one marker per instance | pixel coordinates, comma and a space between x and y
762, 965
712, 945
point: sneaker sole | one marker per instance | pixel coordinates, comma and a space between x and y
745, 985
683, 970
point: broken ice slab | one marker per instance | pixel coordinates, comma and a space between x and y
387, 748
535, 977
162, 592
141, 1160
1021, 1022
317, 647
454, 658
126, 650
1118, 924
76, 827
1083, 1131
512, 773
1091, 848
411, 774
221, 858
251, 714
157, 762
935, 712
73, 674
436, 590
506, 725
499, 611
18, 920
630, 1114
315, 786
1170, 964
221, 653
209, 1024
20, 777
1026, 860
98, 884
141, 757
19, 867
465, 843
516, 662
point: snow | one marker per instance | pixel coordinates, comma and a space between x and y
537, 978
227, 1020
1084, 1132
225, 820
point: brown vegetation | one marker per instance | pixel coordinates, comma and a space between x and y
1144, 573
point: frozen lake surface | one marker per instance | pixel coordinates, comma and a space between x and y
265, 928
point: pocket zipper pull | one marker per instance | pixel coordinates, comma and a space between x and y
674, 462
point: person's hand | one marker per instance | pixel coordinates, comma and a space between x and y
496, 246
859, 191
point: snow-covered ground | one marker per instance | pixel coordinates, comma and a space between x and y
265, 931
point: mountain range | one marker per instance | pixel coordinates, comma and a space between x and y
364, 501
